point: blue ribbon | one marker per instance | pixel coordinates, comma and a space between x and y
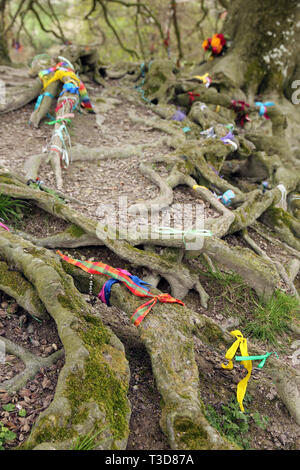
108, 285
70, 88
41, 97
262, 106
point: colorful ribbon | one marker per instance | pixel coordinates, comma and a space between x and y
41, 97
263, 108
241, 343
240, 109
204, 78
4, 226
139, 291
178, 116
192, 96
61, 70
261, 358
228, 139
104, 294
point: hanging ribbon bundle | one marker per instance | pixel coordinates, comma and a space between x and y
134, 287
241, 111
263, 108
246, 360
58, 72
63, 134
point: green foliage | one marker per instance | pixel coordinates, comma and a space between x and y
234, 424
5, 435
11, 209
9, 407
86, 442
272, 317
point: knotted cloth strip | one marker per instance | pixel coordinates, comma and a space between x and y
263, 108
139, 291
241, 343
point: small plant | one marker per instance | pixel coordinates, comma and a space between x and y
86, 442
272, 317
5, 435
231, 422
10, 208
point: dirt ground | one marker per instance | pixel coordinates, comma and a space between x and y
103, 182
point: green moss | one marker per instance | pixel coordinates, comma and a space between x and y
191, 435
13, 280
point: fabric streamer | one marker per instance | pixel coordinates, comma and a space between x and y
4, 226
205, 79
228, 139
178, 116
240, 109
282, 203
106, 270
263, 108
209, 133
241, 343
41, 97
104, 294
186, 129
261, 358
192, 96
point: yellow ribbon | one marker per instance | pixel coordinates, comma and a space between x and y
203, 78
197, 186
59, 75
241, 343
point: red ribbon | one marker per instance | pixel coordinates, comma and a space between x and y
192, 96
240, 108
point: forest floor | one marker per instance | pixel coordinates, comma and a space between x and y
266, 423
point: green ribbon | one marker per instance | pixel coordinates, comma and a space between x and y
184, 233
262, 358
58, 121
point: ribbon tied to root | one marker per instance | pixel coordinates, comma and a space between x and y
241, 343
263, 108
128, 281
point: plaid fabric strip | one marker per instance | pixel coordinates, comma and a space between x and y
139, 291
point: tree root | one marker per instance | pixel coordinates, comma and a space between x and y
17, 287
32, 363
91, 393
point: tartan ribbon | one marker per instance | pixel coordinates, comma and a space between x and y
138, 290
192, 96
